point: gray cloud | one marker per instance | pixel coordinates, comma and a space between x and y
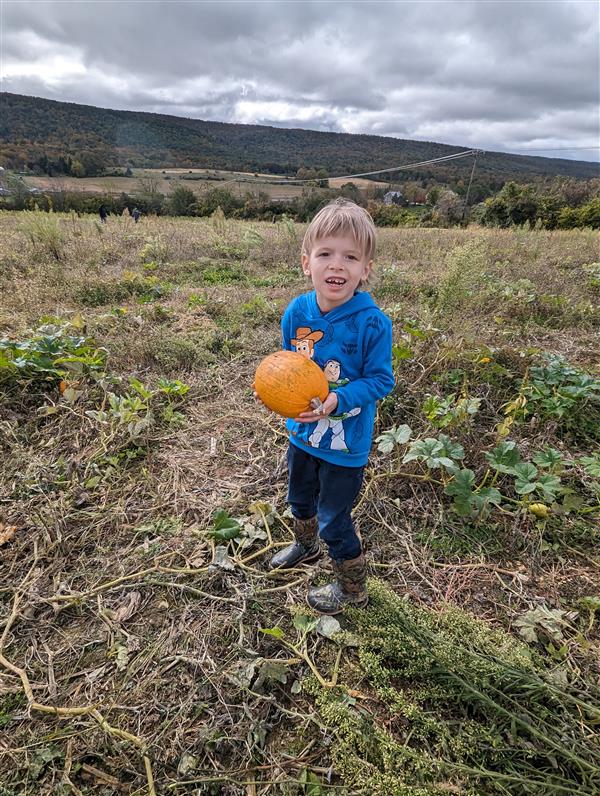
499, 75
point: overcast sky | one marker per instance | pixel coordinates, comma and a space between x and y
506, 76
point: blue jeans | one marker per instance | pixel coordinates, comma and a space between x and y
329, 491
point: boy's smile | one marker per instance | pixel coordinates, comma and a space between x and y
336, 266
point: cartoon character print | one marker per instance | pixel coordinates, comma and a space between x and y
337, 441
304, 342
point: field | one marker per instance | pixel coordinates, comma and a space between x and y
198, 180
146, 649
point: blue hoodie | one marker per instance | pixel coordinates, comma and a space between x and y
353, 345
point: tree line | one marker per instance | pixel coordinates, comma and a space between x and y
559, 204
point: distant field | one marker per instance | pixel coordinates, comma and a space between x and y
198, 180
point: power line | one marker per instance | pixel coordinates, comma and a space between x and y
403, 167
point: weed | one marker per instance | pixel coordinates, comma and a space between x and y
172, 352
463, 701
223, 274
258, 311
465, 274
154, 251
44, 232
145, 288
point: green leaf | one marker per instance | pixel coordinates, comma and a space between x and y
524, 480
137, 385
462, 484
400, 352
392, 437
276, 631
271, 670
504, 457
542, 618
311, 783
549, 485
591, 465
453, 450
305, 623
490, 495
549, 457
328, 626
224, 526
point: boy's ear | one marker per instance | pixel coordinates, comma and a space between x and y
306, 264
367, 271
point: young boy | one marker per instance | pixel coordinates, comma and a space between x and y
348, 336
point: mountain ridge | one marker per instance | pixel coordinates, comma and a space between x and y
32, 128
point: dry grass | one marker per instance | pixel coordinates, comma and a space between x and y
112, 600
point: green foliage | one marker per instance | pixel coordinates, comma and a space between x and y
563, 393
435, 452
218, 273
55, 350
182, 201
442, 412
154, 250
464, 276
134, 412
258, 311
224, 527
461, 702
469, 500
392, 437
100, 293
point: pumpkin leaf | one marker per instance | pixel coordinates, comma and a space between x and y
504, 457
224, 527
549, 485
541, 619
549, 458
305, 623
525, 473
392, 437
591, 465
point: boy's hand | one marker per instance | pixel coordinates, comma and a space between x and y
327, 407
256, 397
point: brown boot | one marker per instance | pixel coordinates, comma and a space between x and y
349, 588
304, 550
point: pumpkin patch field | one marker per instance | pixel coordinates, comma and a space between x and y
145, 647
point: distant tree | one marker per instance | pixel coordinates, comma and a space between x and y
351, 191
77, 168
93, 162
217, 197
148, 197
449, 208
433, 195
182, 201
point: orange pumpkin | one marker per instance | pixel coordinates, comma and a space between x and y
287, 381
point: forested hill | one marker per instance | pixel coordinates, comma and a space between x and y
32, 128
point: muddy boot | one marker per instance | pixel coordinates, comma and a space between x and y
304, 550
349, 588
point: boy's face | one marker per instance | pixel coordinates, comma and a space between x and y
336, 267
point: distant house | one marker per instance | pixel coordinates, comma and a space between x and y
393, 198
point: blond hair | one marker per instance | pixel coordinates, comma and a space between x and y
342, 217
